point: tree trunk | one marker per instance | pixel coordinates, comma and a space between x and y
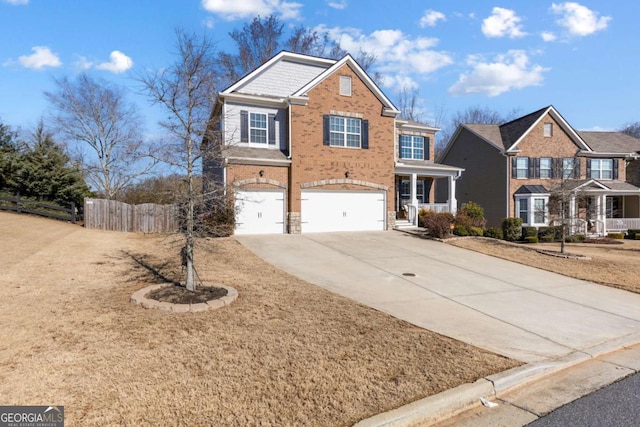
190, 282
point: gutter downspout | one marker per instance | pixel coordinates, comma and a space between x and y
507, 175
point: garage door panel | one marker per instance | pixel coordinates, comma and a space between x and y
324, 211
259, 212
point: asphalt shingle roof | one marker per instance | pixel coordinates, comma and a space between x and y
610, 142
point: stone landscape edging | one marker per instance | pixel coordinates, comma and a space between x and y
140, 298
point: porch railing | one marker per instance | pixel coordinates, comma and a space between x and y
436, 207
622, 224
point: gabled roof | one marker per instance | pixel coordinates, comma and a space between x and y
388, 106
293, 75
516, 130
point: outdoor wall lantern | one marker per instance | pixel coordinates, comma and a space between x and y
346, 174
261, 173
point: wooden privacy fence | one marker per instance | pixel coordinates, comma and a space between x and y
117, 216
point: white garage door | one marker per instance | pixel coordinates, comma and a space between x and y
342, 211
259, 212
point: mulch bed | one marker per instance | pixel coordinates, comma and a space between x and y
180, 295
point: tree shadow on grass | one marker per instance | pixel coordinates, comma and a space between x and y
150, 271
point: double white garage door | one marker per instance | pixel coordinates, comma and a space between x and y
263, 212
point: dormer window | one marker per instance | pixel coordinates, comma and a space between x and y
345, 85
548, 130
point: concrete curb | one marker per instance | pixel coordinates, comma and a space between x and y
437, 408
140, 298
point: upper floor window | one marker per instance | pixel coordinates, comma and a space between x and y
545, 167
522, 167
548, 129
412, 147
257, 128
339, 131
345, 85
601, 169
568, 168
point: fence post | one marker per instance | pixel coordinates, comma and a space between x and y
73, 213
18, 207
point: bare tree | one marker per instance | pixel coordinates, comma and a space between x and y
474, 114
187, 91
408, 103
96, 115
631, 129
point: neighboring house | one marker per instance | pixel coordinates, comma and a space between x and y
312, 144
513, 169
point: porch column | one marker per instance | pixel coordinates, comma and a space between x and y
602, 212
414, 197
453, 203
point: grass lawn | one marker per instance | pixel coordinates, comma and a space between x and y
284, 353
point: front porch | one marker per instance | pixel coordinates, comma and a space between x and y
415, 189
597, 215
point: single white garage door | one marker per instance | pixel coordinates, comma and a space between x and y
342, 211
259, 212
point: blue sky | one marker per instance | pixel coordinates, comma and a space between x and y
582, 57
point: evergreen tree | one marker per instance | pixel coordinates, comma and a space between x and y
11, 151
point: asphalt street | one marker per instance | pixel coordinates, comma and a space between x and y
617, 405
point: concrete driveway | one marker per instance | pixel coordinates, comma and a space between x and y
517, 311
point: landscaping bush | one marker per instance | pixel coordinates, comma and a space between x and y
576, 238
529, 231
550, 234
474, 231
615, 235
512, 229
493, 232
438, 224
471, 214
633, 234
531, 239
460, 230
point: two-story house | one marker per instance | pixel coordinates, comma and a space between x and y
312, 144
513, 169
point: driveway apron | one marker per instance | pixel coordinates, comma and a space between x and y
518, 311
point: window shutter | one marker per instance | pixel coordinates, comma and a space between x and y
588, 168
365, 134
426, 151
272, 129
514, 167
576, 168
532, 167
326, 129
615, 168
554, 167
536, 167
244, 126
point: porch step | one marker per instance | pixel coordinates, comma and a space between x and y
403, 224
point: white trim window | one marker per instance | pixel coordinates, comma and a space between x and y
601, 169
522, 167
568, 167
532, 209
258, 128
412, 147
545, 167
345, 132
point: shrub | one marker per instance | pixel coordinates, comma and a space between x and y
460, 230
615, 235
511, 229
493, 232
632, 233
471, 215
576, 238
438, 224
529, 231
474, 231
531, 239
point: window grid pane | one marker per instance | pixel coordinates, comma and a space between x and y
411, 147
545, 168
344, 132
522, 167
258, 128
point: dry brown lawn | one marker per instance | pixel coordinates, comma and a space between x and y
616, 265
284, 353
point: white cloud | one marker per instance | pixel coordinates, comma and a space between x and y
238, 9
578, 19
503, 22
17, 2
431, 18
509, 71
342, 4
119, 63
548, 36
398, 56
40, 58
83, 63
